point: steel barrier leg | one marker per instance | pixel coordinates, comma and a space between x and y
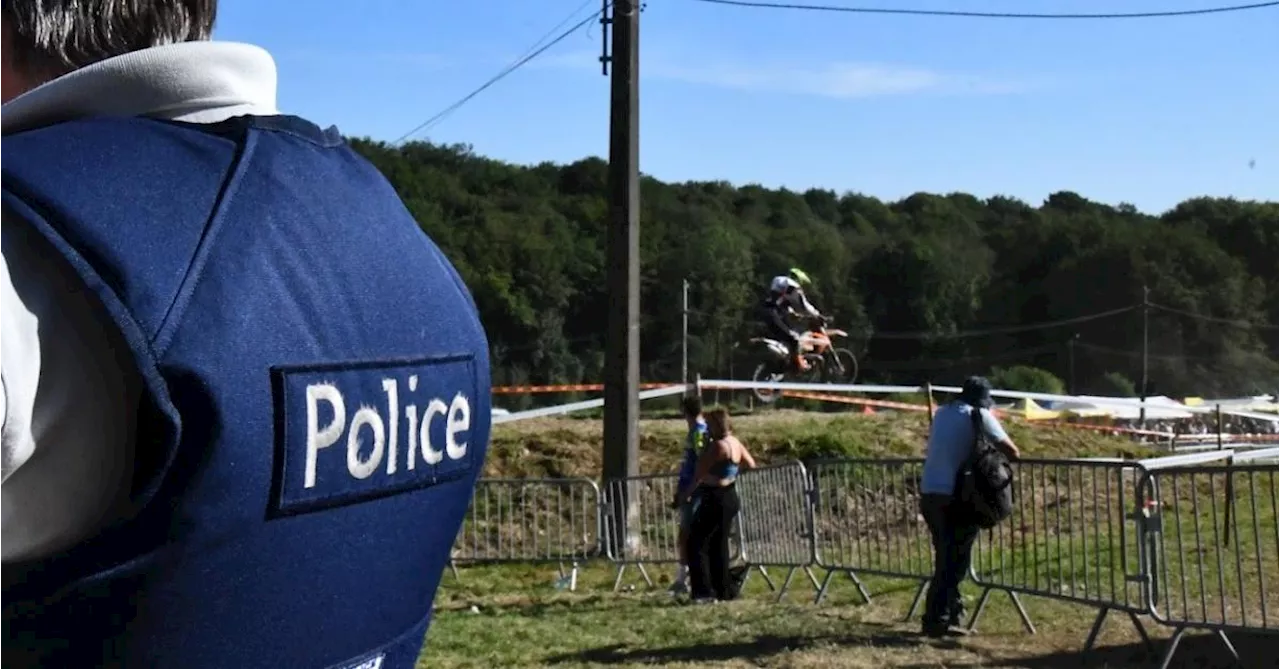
1142, 632
568, 579
826, 583
786, 583
1172, 648
915, 602
767, 579
1230, 647
617, 577
1094, 630
791, 573
1179, 632
1017, 605
812, 578
622, 568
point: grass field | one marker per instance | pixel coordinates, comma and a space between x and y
515, 616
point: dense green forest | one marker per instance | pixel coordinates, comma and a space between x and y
933, 287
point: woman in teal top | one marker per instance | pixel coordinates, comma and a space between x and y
718, 505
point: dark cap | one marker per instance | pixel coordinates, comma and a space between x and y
976, 391
691, 406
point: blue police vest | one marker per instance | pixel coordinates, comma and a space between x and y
317, 411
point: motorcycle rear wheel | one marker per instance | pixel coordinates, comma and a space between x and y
766, 373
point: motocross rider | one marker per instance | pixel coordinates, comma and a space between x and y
786, 297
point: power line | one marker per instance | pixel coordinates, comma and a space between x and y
530, 55
871, 365
1012, 329
552, 30
1106, 350
989, 15
1212, 319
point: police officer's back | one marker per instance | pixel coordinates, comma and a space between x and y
298, 401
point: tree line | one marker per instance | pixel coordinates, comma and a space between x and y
931, 287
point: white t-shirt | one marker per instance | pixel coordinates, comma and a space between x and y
68, 391
950, 442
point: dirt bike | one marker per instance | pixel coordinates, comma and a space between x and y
827, 364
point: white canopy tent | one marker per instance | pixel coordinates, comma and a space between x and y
1158, 407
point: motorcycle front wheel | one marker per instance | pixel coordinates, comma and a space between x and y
844, 369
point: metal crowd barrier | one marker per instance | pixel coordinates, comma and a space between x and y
531, 521
866, 516
1213, 549
776, 521
652, 526
1072, 536
1189, 540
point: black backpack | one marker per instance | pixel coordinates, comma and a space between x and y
984, 484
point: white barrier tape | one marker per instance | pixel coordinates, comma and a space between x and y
561, 409
1256, 455
1167, 461
1225, 435
726, 384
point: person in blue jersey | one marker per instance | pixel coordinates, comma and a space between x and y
694, 443
245, 399
951, 441
713, 483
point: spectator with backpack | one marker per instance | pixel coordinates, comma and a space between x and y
964, 487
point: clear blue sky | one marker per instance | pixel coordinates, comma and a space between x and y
1146, 111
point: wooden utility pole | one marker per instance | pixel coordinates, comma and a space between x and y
684, 332
1071, 364
622, 335
1142, 393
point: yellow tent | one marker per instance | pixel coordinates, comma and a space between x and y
1028, 409
1088, 412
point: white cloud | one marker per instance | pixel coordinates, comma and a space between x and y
841, 80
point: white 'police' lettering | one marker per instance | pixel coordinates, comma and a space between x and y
367, 423
371, 663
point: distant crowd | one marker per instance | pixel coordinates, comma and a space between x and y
1204, 424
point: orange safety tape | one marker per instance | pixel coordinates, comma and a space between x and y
861, 401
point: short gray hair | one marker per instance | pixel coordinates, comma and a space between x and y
50, 38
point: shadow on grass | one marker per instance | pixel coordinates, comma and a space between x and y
1197, 650
1257, 651
748, 649
577, 603
538, 607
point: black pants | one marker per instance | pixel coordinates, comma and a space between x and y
775, 326
953, 537
709, 542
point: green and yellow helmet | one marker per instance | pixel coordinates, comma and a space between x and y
800, 277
